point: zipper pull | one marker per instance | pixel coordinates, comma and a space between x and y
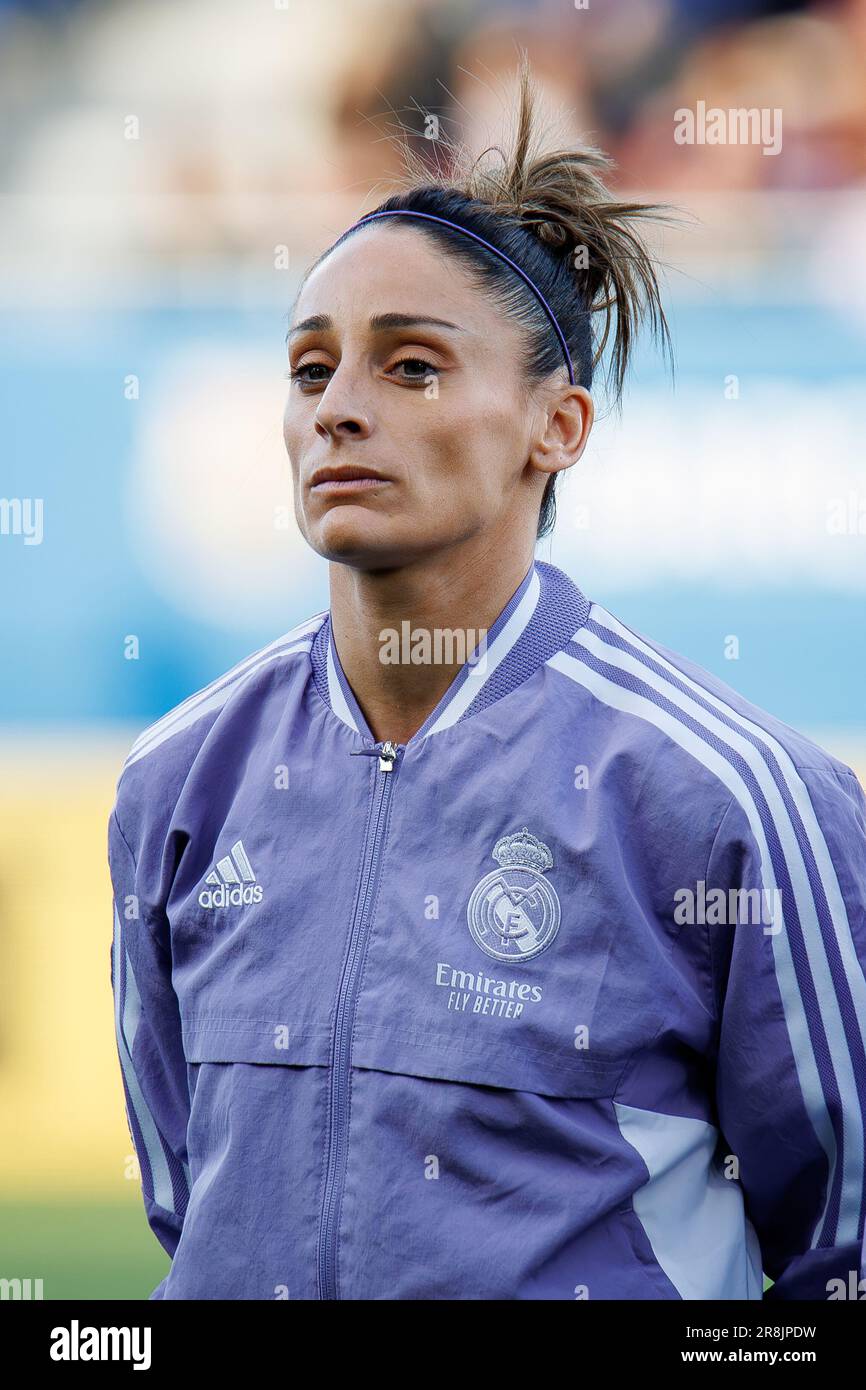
387, 754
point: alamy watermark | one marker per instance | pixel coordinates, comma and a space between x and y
77, 1343
436, 646
701, 906
22, 516
21, 1289
741, 125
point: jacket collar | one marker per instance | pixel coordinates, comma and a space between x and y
542, 615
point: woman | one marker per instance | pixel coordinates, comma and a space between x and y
527, 969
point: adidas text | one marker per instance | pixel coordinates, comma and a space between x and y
224, 896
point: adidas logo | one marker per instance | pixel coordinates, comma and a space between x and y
233, 880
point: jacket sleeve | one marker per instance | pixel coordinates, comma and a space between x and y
148, 1035
789, 968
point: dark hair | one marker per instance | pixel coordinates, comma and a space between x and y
552, 214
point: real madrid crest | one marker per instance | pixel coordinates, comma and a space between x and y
513, 913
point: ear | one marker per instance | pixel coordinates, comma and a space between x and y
565, 431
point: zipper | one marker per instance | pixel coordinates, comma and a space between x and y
341, 1043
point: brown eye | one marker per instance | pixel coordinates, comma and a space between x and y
426, 368
300, 373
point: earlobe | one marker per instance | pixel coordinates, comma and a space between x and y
551, 456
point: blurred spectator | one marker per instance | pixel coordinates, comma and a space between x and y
255, 127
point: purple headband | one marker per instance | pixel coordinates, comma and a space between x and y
429, 217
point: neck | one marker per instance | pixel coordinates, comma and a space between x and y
449, 592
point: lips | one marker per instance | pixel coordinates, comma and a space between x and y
348, 477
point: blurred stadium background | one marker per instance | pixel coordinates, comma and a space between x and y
168, 171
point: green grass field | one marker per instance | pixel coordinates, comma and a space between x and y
81, 1250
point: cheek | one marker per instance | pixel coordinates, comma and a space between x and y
483, 451
292, 436
456, 487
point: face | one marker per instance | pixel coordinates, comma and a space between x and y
408, 423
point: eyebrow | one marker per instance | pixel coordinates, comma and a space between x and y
379, 323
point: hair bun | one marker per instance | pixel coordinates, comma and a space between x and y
560, 196
549, 230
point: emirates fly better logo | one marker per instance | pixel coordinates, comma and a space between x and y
231, 882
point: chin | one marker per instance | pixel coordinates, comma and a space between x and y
349, 536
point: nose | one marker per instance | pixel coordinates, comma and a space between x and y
336, 416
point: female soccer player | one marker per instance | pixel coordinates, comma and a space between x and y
469, 944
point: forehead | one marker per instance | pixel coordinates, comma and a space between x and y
380, 269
